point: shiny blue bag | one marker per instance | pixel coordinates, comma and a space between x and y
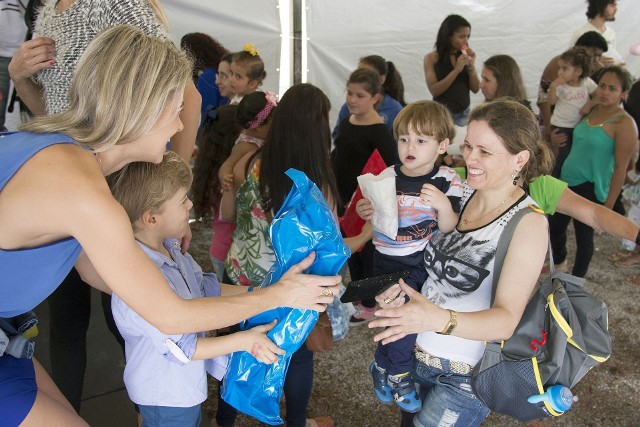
305, 223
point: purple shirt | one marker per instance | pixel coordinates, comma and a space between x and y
159, 371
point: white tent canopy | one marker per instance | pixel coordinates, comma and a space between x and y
337, 33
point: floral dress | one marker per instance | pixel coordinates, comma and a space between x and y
251, 253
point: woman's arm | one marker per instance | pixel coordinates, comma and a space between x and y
438, 87
518, 277
67, 180
32, 57
474, 80
625, 137
596, 216
227, 290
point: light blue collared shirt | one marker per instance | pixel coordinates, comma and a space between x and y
153, 374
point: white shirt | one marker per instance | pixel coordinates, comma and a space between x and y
459, 276
609, 35
570, 99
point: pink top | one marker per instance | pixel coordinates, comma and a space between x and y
222, 237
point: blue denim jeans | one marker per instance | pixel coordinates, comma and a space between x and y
167, 416
448, 399
461, 118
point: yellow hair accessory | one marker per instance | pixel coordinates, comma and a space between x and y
251, 48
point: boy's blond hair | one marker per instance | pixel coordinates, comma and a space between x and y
142, 186
425, 118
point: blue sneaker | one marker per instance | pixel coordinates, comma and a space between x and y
404, 392
380, 387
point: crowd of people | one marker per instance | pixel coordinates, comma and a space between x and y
118, 205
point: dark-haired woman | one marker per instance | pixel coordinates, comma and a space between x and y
603, 144
450, 69
299, 137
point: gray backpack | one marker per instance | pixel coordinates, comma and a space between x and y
562, 334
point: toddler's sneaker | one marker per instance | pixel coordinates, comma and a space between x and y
380, 387
403, 389
362, 315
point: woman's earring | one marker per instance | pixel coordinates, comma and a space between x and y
515, 176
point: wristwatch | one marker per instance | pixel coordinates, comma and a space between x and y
451, 325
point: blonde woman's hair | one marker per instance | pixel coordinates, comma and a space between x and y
122, 83
425, 118
142, 186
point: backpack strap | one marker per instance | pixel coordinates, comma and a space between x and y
503, 246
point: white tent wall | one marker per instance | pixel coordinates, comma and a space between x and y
339, 32
233, 24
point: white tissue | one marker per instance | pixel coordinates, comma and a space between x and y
381, 191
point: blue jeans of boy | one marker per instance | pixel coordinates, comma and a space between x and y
447, 397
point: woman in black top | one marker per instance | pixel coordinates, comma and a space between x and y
450, 69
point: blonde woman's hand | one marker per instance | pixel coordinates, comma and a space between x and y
260, 346
307, 291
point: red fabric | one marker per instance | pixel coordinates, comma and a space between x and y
350, 222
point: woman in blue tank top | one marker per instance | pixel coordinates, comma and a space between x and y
56, 212
603, 145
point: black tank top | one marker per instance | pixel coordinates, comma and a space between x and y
456, 98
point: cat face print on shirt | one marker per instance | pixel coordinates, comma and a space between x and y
460, 270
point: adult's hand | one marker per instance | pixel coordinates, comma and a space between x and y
392, 297
417, 315
461, 62
471, 57
557, 138
31, 57
307, 291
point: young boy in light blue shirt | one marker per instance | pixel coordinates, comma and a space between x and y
165, 375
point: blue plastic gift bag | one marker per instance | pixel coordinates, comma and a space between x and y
305, 223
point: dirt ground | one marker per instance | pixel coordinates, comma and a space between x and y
608, 396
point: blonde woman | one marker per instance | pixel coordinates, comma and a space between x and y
57, 212
65, 28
